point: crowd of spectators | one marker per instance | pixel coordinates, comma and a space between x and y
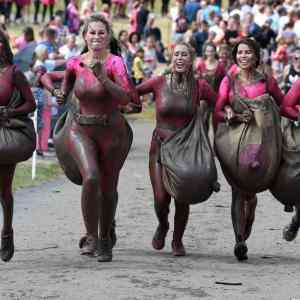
208, 25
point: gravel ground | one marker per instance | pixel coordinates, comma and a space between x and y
48, 225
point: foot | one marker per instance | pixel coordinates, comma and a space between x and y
88, 245
7, 247
158, 241
105, 250
178, 248
290, 231
240, 251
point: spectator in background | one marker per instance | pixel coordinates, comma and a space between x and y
134, 42
37, 4
165, 7
119, 8
142, 16
138, 66
182, 26
190, 10
105, 12
291, 72
126, 54
232, 33
48, 4
88, 7
70, 49
24, 56
73, 17
49, 40
133, 16
150, 57
58, 25
200, 37
24, 39
43, 62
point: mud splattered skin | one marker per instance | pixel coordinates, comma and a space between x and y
98, 149
174, 109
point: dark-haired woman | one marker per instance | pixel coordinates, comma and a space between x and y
210, 68
10, 79
99, 138
245, 84
177, 96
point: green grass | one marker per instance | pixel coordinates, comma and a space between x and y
46, 171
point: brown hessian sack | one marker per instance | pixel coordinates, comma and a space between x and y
61, 137
189, 170
250, 153
286, 186
17, 135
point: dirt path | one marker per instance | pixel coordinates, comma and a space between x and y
48, 225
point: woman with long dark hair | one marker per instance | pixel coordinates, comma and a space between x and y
99, 138
13, 110
249, 146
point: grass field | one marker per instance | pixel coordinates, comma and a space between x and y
46, 171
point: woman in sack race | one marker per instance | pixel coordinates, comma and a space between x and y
287, 184
97, 137
17, 136
176, 96
248, 145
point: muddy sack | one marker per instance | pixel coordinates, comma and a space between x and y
61, 138
287, 183
17, 135
189, 170
250, 153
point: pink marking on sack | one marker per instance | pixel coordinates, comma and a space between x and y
251, 156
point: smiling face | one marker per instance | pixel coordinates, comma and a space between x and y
210, 52
245, 57
97, 37
182, 59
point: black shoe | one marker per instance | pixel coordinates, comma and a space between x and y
7, 247
105, 250
290, 231
240, 251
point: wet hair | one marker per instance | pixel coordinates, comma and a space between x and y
190, 48
113, 45
7, 56
212, 45
252, 44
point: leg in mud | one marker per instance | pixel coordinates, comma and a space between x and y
290, 231
238, 216
182, 211
161, 198
250, 204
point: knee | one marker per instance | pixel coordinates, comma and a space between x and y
91, 178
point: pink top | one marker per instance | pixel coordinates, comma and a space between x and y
291, 101
86, 86
226, 93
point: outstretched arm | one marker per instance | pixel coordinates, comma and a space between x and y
149, 85
47, 79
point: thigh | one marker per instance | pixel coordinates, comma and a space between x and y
84, 151
155, 169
